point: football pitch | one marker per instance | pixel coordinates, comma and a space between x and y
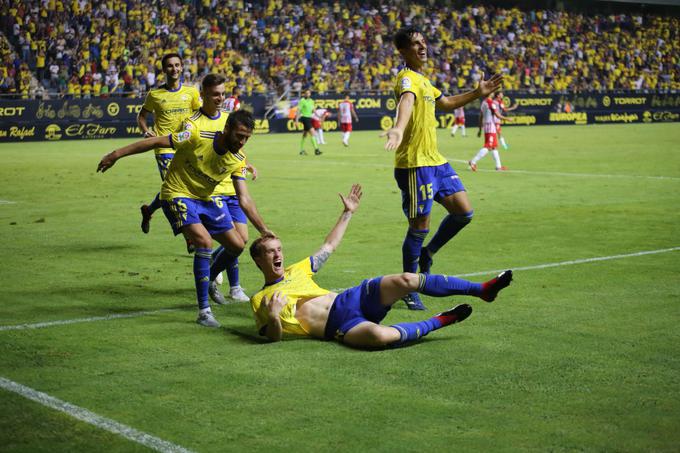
100, 352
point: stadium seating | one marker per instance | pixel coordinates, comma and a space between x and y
98, 48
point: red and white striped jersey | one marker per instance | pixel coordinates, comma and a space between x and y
345, 111
319, 114
459, 113
488, 109
232, 104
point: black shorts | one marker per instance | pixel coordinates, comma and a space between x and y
306, 123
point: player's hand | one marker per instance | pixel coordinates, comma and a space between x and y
107, 162
351, 201
394, 137
267, 233
148, 134
479, 133
252, 170
275, 303
487, 87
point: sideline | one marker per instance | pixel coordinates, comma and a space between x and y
578, 175
39, 325
91, 418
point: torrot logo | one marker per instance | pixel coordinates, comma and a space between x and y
12, 111
606, 101
52, 132
113, 109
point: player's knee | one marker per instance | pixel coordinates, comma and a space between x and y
464, 218
379, 337
408, 281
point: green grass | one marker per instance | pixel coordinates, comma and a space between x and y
574, 357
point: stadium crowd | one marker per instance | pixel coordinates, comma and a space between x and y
83, 48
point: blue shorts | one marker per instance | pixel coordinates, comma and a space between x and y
163, 163
421, 185
231, 202
354, 306
186, 211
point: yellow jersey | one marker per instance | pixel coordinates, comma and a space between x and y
215, 124
297, 285
197, 167
419, 145
170, 108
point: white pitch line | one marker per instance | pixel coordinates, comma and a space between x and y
572, 262
7, 202
87, 416
473, 274
40, 325
578, 175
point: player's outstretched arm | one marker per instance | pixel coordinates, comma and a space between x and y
134, 148
274, 329
350, 205
248, 205
483, 89
404, 110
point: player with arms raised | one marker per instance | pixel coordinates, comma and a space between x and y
292, 303
421, 172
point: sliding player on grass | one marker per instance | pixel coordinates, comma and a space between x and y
197, 168
421, 172
292, 303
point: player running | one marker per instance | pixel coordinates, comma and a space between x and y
502, 109
210, 120
169, 104
458, 121
421, 172
292, 303
488, 115
197, 168
345, 113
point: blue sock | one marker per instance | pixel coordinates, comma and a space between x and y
232, 273
221, 260
446, 285
202, 276
155, 205
410, 250
450, 226
412, 331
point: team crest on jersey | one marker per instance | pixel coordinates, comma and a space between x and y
183, 136
405, 83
